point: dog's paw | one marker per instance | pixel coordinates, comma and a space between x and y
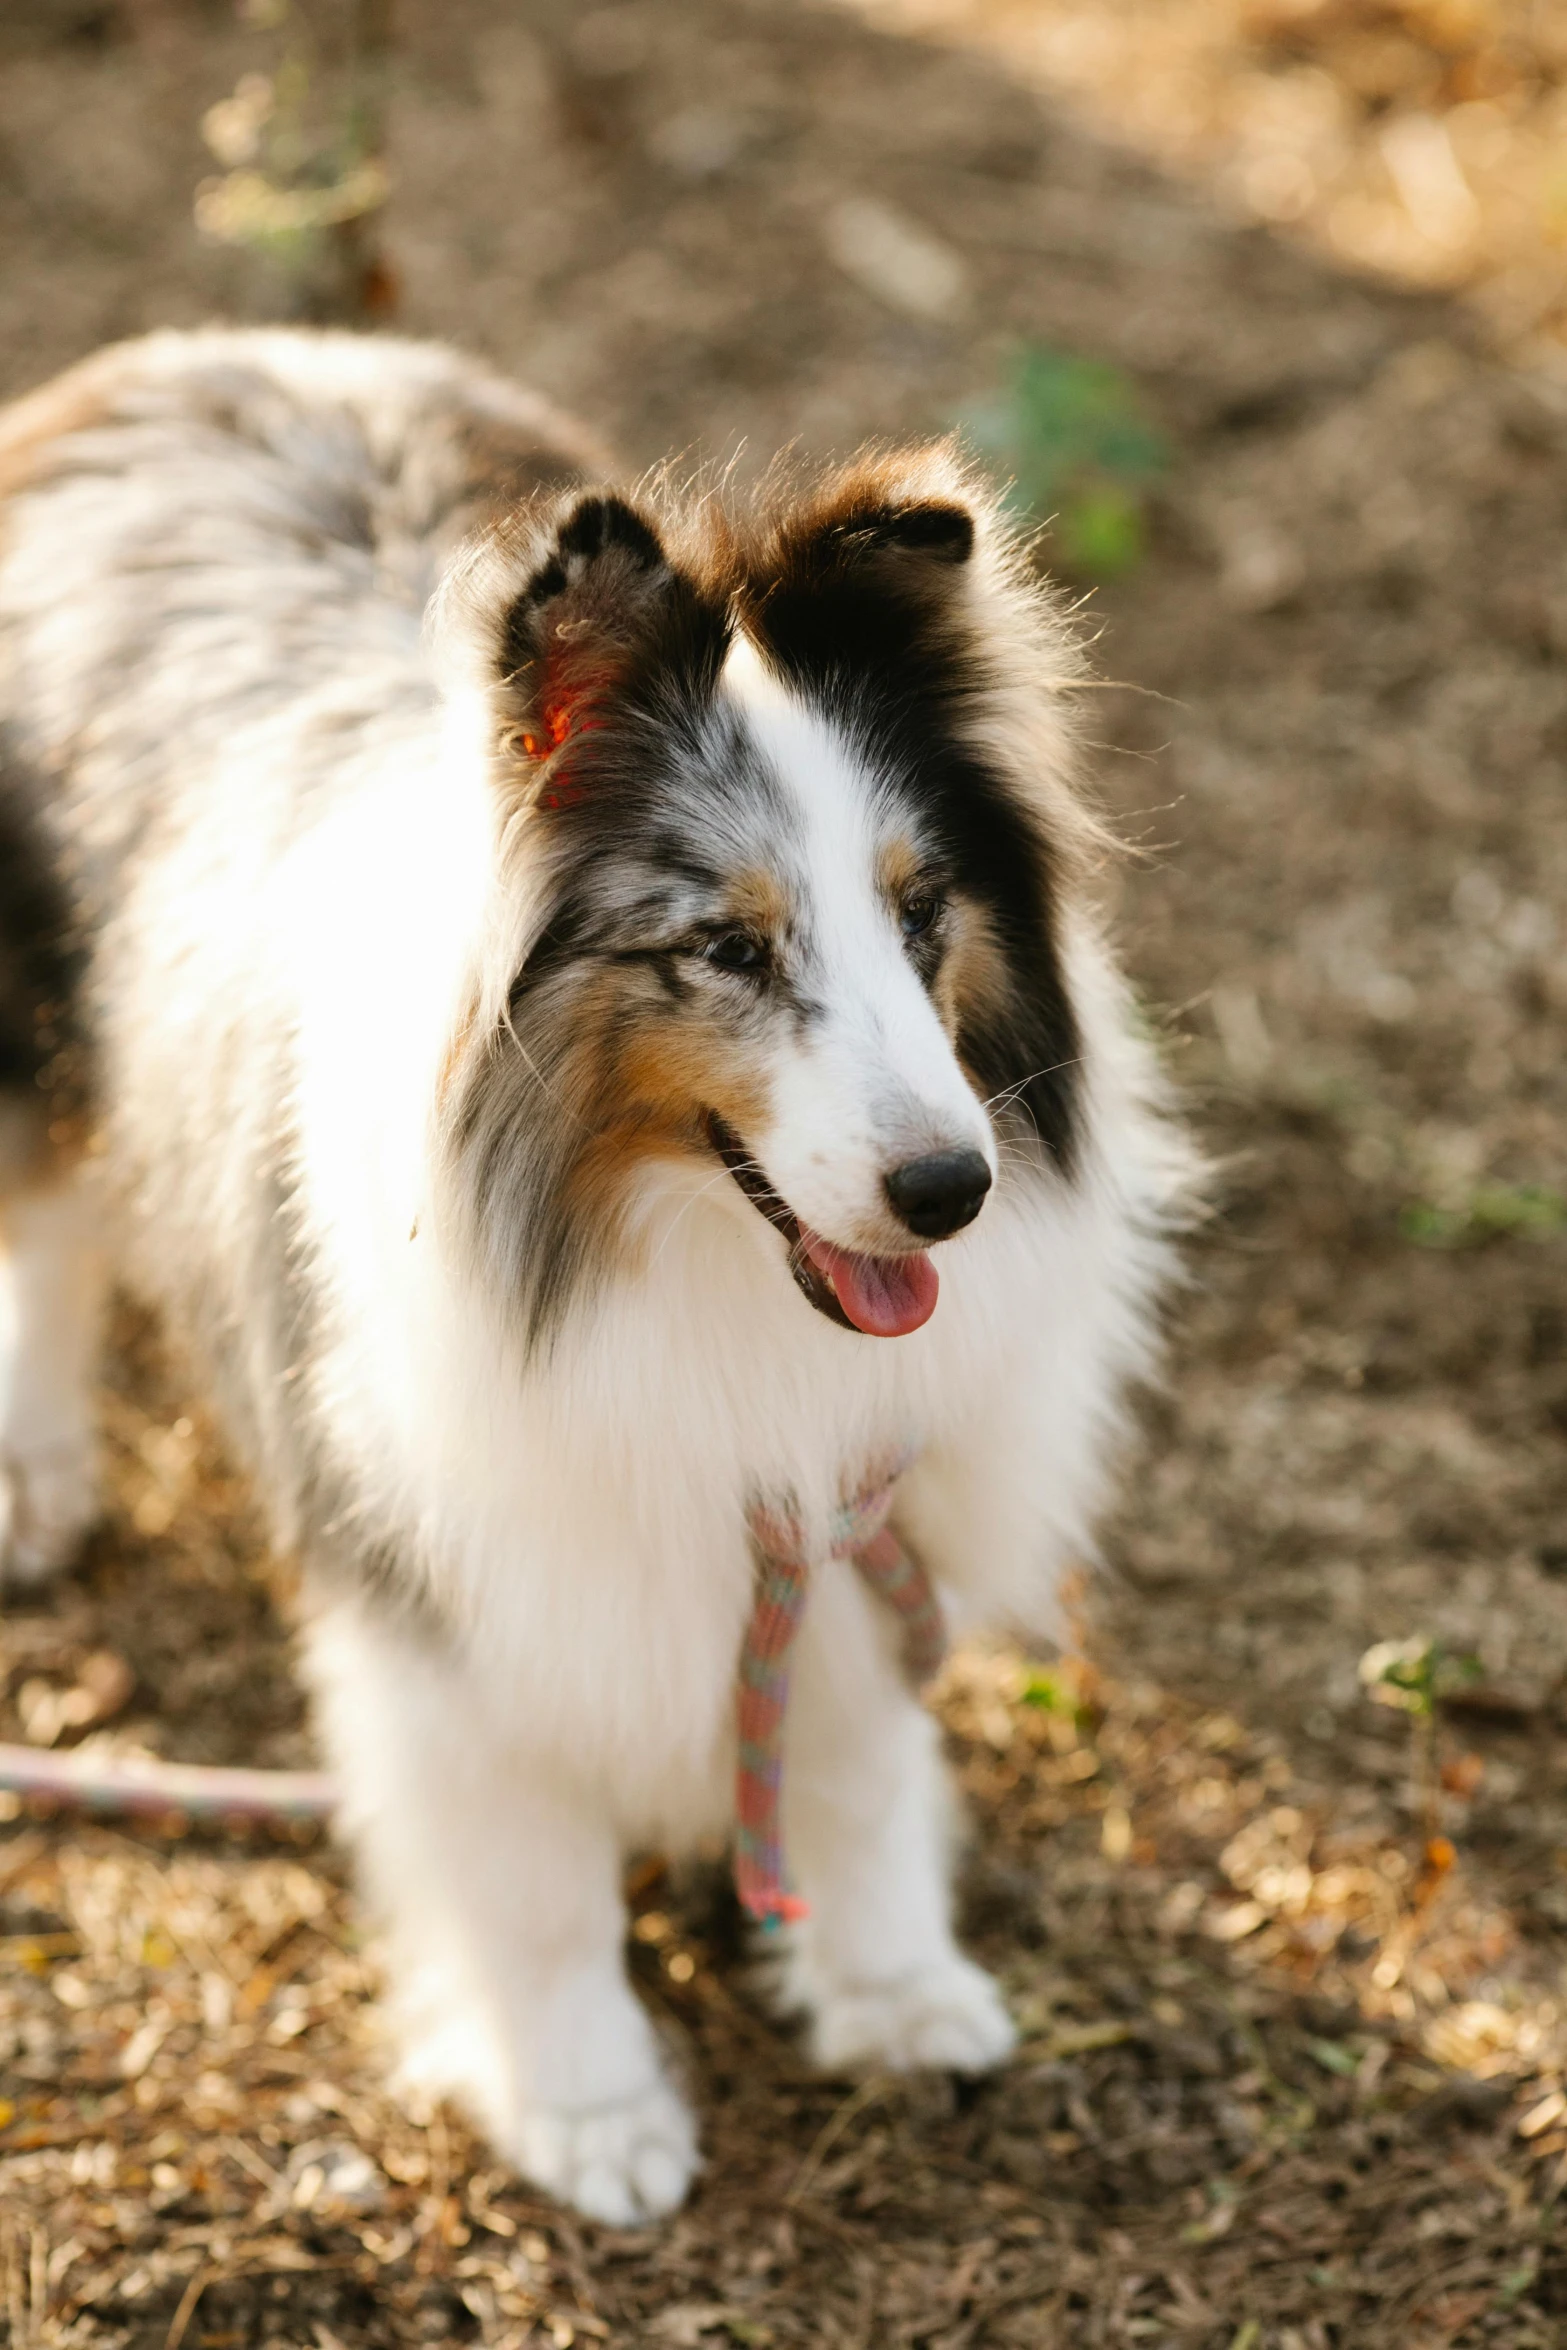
619, 2160
947, 2018
48, 1505
621, 2164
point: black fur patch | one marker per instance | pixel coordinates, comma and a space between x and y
943, 532
601, 549
41, 1046
864, 622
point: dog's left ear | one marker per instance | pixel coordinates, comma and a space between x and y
871, 574
901, 529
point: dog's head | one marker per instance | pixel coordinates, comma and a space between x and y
784, 812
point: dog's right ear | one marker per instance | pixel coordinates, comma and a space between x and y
597, 586
568, 618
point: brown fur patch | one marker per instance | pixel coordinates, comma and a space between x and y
899, 866
975, 980
26, 1159
647, 1082
38, 1151
458, 1047
854, 514
32, 427
757, 900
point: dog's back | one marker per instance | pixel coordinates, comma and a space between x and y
215, 554
205, 535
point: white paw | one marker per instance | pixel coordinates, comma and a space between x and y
48, 1505
949, 2018
617, 2163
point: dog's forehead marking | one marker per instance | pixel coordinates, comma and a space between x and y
830, 787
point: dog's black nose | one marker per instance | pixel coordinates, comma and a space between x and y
939, 1194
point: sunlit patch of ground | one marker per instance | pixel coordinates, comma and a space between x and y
1277, 2071
1422, 139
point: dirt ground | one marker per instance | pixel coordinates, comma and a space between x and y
1421, 140
1293, 1984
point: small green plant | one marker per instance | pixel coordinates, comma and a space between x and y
1049, 1689
1071, 433
305, 173
1047, 1692
1334, 2058
1496, 1211
1414, 1676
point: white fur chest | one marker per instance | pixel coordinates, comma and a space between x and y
583, 1519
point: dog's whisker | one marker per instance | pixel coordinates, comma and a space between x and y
1009, 1093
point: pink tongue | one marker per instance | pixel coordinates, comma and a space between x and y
886, 1297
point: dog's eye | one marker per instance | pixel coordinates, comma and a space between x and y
920, 913
736, 950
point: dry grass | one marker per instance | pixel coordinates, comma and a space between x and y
1268, 2079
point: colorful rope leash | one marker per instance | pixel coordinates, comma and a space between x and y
784, 1562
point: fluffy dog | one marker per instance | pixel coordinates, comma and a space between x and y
516, 973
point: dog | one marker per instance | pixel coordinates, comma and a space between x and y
520, 973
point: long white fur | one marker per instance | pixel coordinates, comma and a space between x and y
584, 1527
51, 1299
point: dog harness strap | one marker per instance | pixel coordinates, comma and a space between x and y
764, 1693
859, 1532
903, 1583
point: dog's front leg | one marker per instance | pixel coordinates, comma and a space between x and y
868, 1821
51, 1302
500, 1883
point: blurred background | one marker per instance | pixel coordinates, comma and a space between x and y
1261, 307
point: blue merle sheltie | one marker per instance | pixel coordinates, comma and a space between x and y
519, 972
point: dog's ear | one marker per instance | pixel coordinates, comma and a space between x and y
599, 586
872, 575
918, 534
904, 527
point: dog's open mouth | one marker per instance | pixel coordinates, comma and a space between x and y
885, 1297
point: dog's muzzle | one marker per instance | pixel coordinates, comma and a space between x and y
810, 1283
